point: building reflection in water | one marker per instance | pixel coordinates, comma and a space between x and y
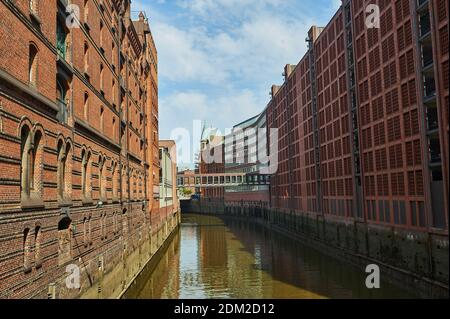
215, 258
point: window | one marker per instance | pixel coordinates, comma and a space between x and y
102, 111
27, 250
86, 10
86, 175
89, 232
103, 226
101, 176
115, 224
86, 106
31, 170
61, 170
61, 38
113, 55
32, 65
61, 93
113, 93
131, 182
101, 34
114, 180
33, 6
37, 246
101, 78
86, 58
64, 241
64, 170
85, 231
114, 132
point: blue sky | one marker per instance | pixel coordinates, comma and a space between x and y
219, 58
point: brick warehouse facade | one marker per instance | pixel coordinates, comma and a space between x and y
363, 135
79, 160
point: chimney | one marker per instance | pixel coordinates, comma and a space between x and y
274, 90
288, 69
314, 33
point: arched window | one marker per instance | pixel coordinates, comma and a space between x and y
61, 170
123, 186
113, 53
26, 250
31, 164
132, 185
86, 10
114, 129
101, 176
113, 93
37, 246
115, 226
32, 64
114, 180
64, 241
37, 164
86, 58
85, 231
90, 230
140, 186
86, 106
101, 77
61, 37
61, 93
102, 111
86, 175
101, 33
64, 171
103, 226
27, 165
33, 4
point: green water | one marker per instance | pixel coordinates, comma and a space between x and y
212, 257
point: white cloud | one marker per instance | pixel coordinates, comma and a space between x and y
180, 58
218, 58
203, 7
222, 111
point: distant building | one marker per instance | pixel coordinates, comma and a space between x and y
188, 176
168, 196
245, 152
212, 152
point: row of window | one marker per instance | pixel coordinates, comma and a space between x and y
32, 163
32, 238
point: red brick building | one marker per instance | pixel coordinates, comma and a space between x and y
364, 134
79, 146
212, 161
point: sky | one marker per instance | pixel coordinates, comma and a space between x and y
217, 59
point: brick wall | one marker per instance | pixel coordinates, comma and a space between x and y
107, 93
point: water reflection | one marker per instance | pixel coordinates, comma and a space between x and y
227, 258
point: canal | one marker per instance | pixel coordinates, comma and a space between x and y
212, 257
